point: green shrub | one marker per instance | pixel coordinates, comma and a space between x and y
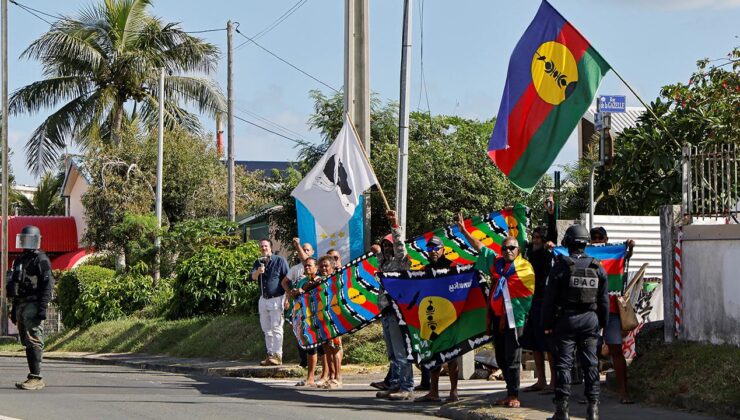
103, 259
187, 238
135, 235
160, 301
91, 294
215, 281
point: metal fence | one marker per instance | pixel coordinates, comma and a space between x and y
710, 182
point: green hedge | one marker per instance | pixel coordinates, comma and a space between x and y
91, 294
215, 281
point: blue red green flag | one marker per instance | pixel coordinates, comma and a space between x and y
553, 75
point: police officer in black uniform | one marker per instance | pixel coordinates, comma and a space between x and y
576, 306
30, 288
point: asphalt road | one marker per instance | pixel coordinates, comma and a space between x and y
84, 391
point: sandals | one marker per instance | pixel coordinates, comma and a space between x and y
332, 384
305, 383
428, 399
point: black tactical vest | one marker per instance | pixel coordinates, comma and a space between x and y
27, 275
582, 287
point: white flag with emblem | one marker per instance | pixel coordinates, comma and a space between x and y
331, 190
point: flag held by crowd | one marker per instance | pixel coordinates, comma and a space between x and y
442, 312
343, 303
332, 189
491, 229
553, 75
348, 240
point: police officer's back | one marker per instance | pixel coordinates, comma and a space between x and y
30, 287
576, 306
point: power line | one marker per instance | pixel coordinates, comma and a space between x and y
299, 142
423, 82
272, 123
286, 61
37, 12
275, 23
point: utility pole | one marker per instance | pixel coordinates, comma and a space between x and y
403, 117
4, 128
357, 84
230, 112
160, 163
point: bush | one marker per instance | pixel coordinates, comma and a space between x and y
135, 236
76, 288
188, 237
215, 281
91, 294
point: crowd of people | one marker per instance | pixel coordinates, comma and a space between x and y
569, 307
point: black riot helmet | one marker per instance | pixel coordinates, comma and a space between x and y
576, 237
29, 238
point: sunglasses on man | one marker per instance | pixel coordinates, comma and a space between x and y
510, 248
433, 248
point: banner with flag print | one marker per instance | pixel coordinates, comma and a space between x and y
553, 76
441, 312
341, 304
331, 191
612, 257
348, 240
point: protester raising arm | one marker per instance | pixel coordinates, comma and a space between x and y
478, 245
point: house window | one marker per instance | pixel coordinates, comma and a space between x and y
256, 231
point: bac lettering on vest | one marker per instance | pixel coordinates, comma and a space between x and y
584, 282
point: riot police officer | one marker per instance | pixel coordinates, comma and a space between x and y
576, 306
30, 288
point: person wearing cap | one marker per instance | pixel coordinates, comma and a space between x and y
30, 287
504, 322
613, 331
400, 381
437, 260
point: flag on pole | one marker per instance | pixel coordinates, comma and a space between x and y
332, 189
553, 76
348, 240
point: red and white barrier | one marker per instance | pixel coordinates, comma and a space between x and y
677, 281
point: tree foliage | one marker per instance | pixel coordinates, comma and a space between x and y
448, 171
46, 201
124, 181
105, 61
647, 166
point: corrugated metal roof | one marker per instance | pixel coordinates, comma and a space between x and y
58, 233
645, 231
620, 120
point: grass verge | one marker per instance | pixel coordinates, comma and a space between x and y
688, 375
224, 337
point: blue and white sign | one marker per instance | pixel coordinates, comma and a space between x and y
612, 103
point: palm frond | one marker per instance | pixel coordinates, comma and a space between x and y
47, 93
202, 92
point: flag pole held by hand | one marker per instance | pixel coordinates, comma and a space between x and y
364, 152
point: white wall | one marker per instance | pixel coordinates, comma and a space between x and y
711, 284
76, 209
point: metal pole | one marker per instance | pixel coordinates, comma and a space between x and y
403, 117
230, 112
4, 264
591, 203
357, 86
160, 163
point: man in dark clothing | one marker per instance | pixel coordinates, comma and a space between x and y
576, 305
30, 288
539, 254
437, 260
269, 270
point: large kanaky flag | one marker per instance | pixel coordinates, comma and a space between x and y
552, 79
331, 190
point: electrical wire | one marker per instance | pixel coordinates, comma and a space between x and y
287, 62
37, 12
275, 23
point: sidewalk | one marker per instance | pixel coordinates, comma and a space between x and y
538, 406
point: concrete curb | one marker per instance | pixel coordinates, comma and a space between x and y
232, 369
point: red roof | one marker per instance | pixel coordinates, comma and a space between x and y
67, 261
58, 233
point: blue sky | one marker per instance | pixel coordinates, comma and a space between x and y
467, 45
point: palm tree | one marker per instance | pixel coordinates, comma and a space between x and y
46, 201
102, 68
